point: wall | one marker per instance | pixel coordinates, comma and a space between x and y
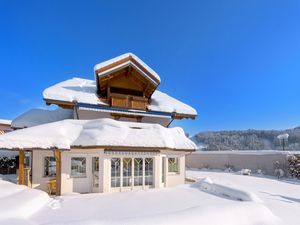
39, 181
173, 179
79, 184
71, 184
254, 160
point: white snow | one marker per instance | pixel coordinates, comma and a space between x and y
230, 192
185, 204
18, 202
36, 117
245, 172
283, 136
74, 90
126, 55
282, 196
100, 132
84, 91
5, 122
164, 103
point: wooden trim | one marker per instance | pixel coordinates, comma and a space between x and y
21, 167
129, 58
58, 171
63, 104
132, 148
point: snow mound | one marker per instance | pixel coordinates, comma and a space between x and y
233, 193
19, 202
36, 117
245, 172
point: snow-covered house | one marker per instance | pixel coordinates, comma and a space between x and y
5, 126
108, 134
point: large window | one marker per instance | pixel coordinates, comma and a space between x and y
115, 172
78, 167
173, 165
127, 172
132, 171
148, 171
138, 172
49, 166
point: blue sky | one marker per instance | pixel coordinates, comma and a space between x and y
236, 62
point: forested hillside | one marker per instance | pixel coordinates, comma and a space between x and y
247, 140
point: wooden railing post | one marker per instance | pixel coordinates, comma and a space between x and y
58, 171
21, 167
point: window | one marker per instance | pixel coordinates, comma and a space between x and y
148, 171
78, 167
132, 171
127, 171
49, 166
115, 172
138, 172
173, 165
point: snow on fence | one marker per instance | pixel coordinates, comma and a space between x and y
257, 161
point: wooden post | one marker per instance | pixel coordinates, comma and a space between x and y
21, 167
58, 171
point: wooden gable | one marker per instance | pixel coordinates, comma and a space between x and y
126, 88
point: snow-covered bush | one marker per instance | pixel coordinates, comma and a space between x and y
260, 172
246, 172
294, 165
279, 173
229, 168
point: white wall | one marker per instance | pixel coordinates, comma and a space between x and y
254, 160
71, 184
39, 181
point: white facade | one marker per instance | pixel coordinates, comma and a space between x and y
101, 180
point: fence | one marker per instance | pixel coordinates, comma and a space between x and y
254, 160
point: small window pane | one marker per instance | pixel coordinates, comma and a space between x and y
127, 172
115, 172
138, 172
78, 167
173, 165
49, 166
148, 171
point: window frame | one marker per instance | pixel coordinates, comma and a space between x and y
177, 161
44, 166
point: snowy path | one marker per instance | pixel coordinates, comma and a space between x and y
281, 197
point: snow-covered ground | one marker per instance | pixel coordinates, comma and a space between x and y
282, 197
219, 199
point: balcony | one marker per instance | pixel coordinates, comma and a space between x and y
128, 101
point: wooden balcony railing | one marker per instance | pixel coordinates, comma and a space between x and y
128, 101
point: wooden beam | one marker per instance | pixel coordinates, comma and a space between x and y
58, 171
21, 167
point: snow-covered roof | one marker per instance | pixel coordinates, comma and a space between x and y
36, 117
67, 134
124, 56
84, 91
5, 122
74, 90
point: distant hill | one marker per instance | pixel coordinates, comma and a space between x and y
247, 140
